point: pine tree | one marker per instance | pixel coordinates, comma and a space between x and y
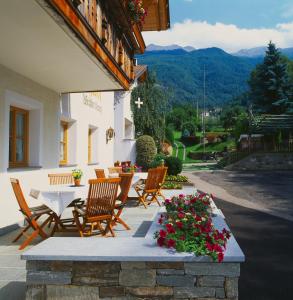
269, 84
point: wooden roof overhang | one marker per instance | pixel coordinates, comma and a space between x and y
272, 123
131, 32
158, 15
140, 73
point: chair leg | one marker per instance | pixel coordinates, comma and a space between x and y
142, 200
21, 233
119, 220
29, 239
77, 222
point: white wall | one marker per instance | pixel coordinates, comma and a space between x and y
124, 128
43, 106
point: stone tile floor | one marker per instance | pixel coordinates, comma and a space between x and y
12, 268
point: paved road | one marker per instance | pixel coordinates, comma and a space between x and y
267, 242
271, 190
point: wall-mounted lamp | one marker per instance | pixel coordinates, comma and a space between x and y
110, 134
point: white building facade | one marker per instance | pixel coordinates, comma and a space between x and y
44, 132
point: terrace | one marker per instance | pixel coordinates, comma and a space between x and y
155, 269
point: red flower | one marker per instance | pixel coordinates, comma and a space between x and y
179, 224
171, 243
182, 238
220, 257
181, 215
161, 241
163, 233
218, 248
170, 228
209, 246
195, 234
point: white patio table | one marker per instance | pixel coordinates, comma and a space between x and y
58, 197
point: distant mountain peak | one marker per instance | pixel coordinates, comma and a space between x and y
260, 52
154, 47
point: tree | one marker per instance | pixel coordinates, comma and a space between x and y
269, 83
230, 115
149, 119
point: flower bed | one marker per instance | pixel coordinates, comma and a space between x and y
187, 227
176, 178
168, 185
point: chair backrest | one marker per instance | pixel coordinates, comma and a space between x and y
61, 178
163, 173
20, 197
100, 173
115, 170
125, 184
152, 181
102, 196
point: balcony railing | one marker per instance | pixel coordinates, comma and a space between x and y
106, 29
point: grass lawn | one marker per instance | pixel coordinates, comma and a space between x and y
217, 147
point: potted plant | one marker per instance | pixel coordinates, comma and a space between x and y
77, 174
136, 11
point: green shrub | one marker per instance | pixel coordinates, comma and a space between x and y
145, 151
169, 135
157, 160
174, 165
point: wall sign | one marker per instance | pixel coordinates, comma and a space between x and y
93, 100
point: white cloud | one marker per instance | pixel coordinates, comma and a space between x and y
229, 37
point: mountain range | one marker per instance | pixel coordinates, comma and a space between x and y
181, 69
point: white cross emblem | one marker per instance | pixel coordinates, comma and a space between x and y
139, 103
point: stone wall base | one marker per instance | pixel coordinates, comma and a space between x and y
131, 280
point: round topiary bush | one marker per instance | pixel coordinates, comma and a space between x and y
146, 151
174, 165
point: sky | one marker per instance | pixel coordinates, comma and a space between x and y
228, 24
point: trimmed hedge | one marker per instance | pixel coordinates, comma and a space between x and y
174, 165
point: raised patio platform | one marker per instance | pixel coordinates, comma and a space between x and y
129, 268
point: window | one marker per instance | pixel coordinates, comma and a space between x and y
63, 143
18, 137
90, 132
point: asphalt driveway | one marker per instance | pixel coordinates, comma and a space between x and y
267, 242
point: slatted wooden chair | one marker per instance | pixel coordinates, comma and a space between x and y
113, 170
31, 215
100, 173
65, 179
99, 207
62, 178
125, 184
148, 192
161, 181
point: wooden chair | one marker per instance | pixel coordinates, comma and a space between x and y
99, 207
125, 184
100, 173
113, 170
31, 215
151, 187
58, 179
162, 180
65, 178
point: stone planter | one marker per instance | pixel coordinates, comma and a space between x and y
129, 268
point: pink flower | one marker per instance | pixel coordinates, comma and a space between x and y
181, 196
